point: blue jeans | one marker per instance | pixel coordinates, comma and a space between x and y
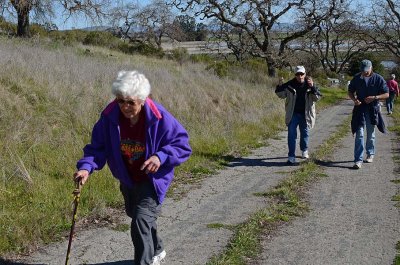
359, 141
299, 120
389, 102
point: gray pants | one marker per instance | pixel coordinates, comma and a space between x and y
141, 204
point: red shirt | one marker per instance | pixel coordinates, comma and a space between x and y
133, 146
393, 86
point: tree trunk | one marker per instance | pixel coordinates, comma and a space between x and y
23, 22
271, 66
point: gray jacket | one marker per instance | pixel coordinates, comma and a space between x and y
288, 92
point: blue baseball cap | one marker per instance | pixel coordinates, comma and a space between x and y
365, 65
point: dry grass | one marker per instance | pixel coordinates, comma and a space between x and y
52, 95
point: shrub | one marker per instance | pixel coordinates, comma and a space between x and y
99, 38
180, 55
140, 48
201, 58
220, 68
7, 27
68, 37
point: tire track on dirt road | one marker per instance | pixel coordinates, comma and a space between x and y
224, 198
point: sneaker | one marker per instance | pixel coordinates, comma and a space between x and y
158, 258
291, 160
357, 165
370, 159
305, 155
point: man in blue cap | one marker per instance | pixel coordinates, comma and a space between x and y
366, 89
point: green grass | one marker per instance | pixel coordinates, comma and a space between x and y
52, 95
396, 260
287, 202
331, 96
396, 128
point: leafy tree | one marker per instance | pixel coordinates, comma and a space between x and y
354, 63
188, 26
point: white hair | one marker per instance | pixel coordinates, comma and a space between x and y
131, 84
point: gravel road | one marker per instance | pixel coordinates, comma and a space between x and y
353, 220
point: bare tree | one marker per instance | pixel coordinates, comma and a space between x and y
385, 25
126, 19
257, 18
228, 37
336, 40
147, 24
157, 20
45, 9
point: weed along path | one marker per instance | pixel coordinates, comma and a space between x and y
197, 227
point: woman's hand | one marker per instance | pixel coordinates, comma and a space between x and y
151, 165
81, 176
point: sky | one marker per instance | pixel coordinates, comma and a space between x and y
81, 22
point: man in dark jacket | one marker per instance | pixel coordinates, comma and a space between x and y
366, 89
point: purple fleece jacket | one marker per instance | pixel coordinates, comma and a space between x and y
165, 137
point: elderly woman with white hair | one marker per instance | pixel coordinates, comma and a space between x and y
142, 143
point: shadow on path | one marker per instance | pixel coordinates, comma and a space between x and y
341, 164
122, 262
259, 162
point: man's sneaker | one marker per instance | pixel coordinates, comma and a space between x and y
357, 165
291, 160
370, 159
305, 155
158, 258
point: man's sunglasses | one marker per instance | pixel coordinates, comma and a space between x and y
300, 74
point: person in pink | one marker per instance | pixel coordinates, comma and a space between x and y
393, 91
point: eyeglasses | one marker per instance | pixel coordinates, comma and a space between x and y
130, 102
299, 74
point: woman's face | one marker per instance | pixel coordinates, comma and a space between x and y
130, 106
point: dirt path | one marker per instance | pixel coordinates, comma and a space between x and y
227, 198
352, 218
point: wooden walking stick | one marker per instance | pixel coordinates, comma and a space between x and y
77, 194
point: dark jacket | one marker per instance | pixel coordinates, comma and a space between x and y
376, 86
373, 110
